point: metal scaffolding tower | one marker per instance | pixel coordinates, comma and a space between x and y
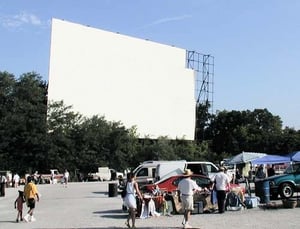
203, 65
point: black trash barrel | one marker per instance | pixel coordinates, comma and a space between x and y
112, 189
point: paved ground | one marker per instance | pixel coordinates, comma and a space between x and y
87, 205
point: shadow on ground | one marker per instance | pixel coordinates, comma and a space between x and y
113, 214
110, 228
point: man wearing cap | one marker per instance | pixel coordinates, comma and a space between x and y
221, 182
30, 193
187, 187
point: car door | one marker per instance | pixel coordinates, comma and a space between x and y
297, 176
145, 175
142, 176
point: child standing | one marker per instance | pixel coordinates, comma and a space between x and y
19, 206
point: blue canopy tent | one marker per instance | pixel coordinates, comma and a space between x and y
244, 157
295, 156
271, 159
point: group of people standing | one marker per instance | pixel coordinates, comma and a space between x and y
8, 181
187, 187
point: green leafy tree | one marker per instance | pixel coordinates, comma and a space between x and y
203, 118
122, 146
263, 131
7, 87
24, 121
62, 125
35, 135
288, 141
30, 119
235, 131
91, 148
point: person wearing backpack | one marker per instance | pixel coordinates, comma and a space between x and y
221, 182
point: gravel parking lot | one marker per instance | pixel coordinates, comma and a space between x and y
87, 205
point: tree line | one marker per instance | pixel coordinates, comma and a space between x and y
36, 135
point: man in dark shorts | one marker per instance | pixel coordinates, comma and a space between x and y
31, 194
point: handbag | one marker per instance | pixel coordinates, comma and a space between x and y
124, 191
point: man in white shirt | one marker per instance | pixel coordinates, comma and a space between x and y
187, 187
16, 180
221, 182
66, 177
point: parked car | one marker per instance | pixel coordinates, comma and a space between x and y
152, 171
169, 168
170, 184
286, 184
92, 177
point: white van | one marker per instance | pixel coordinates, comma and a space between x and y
152, 171
145, 173
203, 167
169, 168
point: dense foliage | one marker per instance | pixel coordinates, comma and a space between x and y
38, 136
23, 106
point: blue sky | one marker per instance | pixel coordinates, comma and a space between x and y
255, 43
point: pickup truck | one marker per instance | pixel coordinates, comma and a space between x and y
103, 174
52, 177
286, 184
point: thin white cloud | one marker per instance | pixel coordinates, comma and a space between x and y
19, 20
169, 19
28, 18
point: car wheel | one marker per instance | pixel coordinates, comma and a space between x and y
286, 191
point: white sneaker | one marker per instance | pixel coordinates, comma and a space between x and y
26, 218
187, 225
32, 219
